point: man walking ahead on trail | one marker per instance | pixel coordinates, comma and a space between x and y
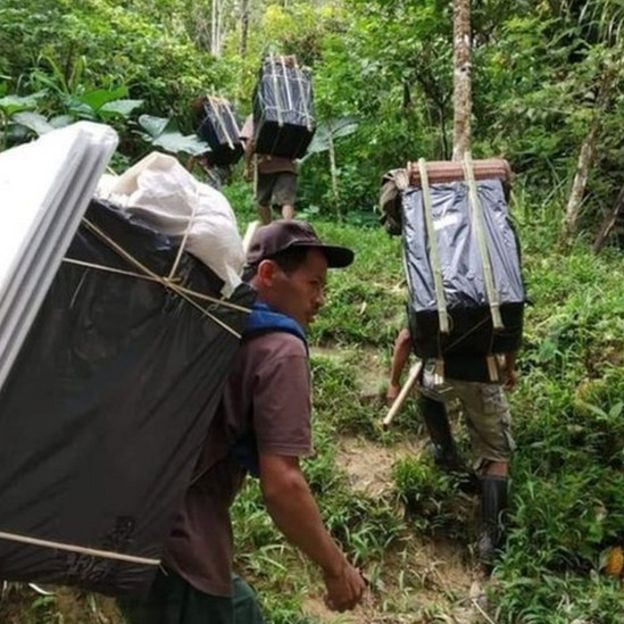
262, 427
489, 424
276, 182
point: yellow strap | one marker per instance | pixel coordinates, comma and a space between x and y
433, 249
304, 101
214, 103
187, 291
286, 83
477, 223
167, 283
278, 96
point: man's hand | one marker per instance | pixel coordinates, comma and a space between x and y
344, 588
392, 393
511, 379
291, 505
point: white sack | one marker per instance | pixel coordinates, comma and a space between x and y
159, 190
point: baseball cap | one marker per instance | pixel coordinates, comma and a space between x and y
277, 236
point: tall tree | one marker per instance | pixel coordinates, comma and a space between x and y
586, 153
244, 26
462, 87
217, 26
600, 22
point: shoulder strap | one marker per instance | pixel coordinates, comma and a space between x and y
264, 320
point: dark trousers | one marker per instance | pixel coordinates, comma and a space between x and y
172, 600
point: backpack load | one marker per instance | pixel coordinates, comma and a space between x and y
107, 403
461, 257
283, 109
220, 129
40, 213
104, 413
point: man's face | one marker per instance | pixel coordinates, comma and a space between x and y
301, 293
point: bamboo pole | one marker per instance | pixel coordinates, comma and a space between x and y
405, 390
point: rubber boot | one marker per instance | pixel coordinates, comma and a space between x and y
493, 506
444, 450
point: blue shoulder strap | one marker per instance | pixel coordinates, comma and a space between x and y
263, 319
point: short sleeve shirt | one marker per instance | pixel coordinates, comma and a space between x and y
268, 395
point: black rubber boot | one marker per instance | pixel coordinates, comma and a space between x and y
493, 507
444, 449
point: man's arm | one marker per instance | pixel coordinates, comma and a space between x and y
248, 157
246, 136
293, 509
400, 355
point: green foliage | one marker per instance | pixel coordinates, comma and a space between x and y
20, 116
164, 134
538, 71
85, 58
362, 306
431, 498
559, 599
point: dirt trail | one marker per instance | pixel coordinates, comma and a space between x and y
369, 465
429, 580
371, 370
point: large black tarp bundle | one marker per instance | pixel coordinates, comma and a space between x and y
471, 331
283, 109
220, 129
103, 414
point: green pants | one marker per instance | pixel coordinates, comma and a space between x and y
173, 601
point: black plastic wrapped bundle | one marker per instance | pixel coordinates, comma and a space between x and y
283, 109
471, 332
104, 413
220, 129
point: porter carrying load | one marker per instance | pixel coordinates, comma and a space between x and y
283, 108
462, 261
220, 129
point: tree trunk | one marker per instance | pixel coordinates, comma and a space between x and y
219, 32
443, 137
579, 184
334, 172
407, 96
610, 222
586, 155
216, 27
213, 24
462, 90
244, 26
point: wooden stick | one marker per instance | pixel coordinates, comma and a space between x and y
405, 390
486, 617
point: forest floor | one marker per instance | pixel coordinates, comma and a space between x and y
408, 526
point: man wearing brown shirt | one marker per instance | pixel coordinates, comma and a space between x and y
263, 426
276, 183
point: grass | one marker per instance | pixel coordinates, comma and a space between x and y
567, 492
